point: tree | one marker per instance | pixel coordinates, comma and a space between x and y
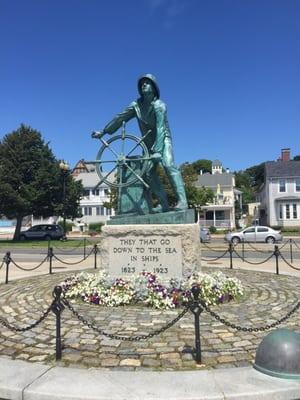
31, 180
249, 181
196, 196
296, 158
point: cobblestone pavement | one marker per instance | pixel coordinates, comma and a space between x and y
267, 298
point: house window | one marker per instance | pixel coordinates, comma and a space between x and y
281, 185
100, 210
108, 211
95, 192
297, 182
87, 211
86, 193
106, 192
295, 211
280, 211
287, 211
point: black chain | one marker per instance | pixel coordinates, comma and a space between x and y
245, 329
210, 248
124, 338
26, 328
284, 244
257, 250
73, 263
29, 269
295, 243
215, 259
286, 261
251, 262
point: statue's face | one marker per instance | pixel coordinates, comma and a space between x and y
147, 87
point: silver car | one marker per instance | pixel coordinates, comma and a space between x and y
204, 235
255, 233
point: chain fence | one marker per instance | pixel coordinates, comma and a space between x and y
232, 250
75, 262
7, 260
196, 306
29, 269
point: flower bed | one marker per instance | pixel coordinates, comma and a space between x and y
147, 289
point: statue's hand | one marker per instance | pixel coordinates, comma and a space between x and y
97, 135
156, 157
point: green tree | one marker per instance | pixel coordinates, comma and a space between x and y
31, 181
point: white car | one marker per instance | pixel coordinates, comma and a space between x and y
255, 233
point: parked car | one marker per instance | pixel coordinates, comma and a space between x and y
43, 231
204, 235
255, 233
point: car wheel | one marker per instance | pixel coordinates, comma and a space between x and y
235, 240
22, 237
270, 239
47, 237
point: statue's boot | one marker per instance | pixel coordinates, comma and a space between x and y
178, 187
159, 191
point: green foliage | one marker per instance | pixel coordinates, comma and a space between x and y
196, 196
296, 158
197, 166
31, 181
69, 225
249, 181
95, 227
212, 229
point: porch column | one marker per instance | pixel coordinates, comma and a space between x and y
214, 217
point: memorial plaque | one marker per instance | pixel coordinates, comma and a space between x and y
130, 255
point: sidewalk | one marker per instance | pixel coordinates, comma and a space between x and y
21, 380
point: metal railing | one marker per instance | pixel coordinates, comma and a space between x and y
196, 306
8, 260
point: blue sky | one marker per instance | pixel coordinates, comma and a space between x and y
228, 71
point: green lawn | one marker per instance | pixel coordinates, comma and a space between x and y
70, 243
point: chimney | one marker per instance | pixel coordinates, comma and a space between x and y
227, 170
285, 154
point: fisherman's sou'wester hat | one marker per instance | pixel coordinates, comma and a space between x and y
151, 78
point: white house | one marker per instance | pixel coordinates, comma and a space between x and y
94, 196
221, 212
279, 196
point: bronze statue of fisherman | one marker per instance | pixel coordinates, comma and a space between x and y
151, 114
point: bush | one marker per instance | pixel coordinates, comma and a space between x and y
95, 227
68, 225
212, 229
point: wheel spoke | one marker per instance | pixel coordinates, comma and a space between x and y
108, 147
138, 143
138, 177
106, 176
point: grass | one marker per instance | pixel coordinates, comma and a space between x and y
32, 244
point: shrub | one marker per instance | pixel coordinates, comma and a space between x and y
212, 229
95, 227
68, 225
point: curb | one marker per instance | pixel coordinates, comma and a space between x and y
21, 380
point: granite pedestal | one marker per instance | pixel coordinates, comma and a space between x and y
169, 251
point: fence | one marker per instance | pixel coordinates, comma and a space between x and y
8, 260
276, 253
196, 306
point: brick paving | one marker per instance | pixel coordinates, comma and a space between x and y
267, 298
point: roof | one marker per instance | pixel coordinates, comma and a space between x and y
210, 180
278, 169
216, 163
90, 179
